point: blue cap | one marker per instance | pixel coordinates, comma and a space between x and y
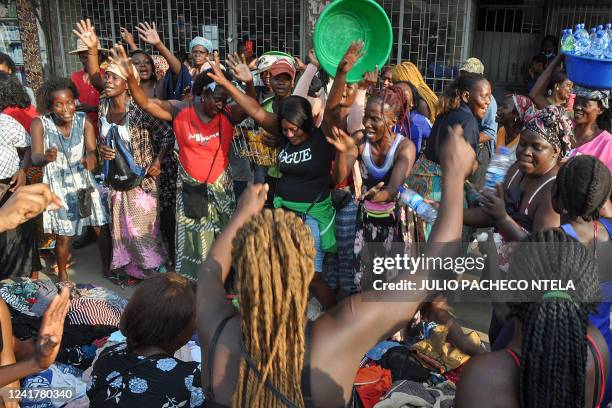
206, 43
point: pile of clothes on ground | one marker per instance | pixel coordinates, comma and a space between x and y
421, 372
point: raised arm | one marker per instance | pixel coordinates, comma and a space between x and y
268, 121
47, 345
212, 304
87, 33
538, 92
241, 71
345, 333
128, 38
354, 121
346, 154
302, 86
148, 33
154, 107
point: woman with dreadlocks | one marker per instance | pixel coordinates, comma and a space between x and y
581, 190
266, 354
428, 101
593, 124
556, 358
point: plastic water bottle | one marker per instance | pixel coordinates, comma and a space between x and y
598, 46
608, 51
582, 40
592, 34
568, 43
416, 201
498, 167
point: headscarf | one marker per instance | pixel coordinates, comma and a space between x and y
593, 94
113, 68
553, 125
523, 105
161, 65
407, 71
204, 42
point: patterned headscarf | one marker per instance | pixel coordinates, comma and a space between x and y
523, 105
161, 65
593, 94
553, 125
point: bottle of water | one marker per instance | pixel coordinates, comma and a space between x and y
592, 34
582, 40
608, 51
598, 46
568, 43
415, 201
498, 167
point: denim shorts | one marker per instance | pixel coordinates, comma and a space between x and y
316, 238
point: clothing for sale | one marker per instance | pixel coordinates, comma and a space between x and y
93, 312
58, 376
410, 394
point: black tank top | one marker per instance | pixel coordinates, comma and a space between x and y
305, 382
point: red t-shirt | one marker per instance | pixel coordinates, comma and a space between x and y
199, 143
88, 94
25, 116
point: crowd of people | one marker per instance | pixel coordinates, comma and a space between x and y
137, 149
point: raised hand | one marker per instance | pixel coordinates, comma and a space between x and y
340, 140
148, 33
87, 33
119, 57
299, 64
51, 330
370, 79
127, 36
217, 74
312, 58
252, 200
240, 68
353, 54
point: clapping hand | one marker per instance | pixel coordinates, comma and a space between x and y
51, 330
340, 140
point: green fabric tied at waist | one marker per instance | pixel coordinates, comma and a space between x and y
323, 212
273, 171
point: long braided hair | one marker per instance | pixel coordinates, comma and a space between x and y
554, 347
407, 71
583, 187
273, 256
395, 98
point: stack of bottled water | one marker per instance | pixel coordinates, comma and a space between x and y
597, 44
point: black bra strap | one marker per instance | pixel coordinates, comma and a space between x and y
211, 355
305, 384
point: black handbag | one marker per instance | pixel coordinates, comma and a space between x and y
122, 173
340, 198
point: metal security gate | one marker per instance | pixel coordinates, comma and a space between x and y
434, 35
271, 24
569, 13
507, 36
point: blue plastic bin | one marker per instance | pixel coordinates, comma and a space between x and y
589, 72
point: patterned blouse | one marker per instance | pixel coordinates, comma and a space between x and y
122, 379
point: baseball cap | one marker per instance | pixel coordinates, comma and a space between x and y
282, 66
473, 65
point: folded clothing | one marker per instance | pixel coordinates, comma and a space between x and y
93, 312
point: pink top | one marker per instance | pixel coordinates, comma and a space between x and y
600, 147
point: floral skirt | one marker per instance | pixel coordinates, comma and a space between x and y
134, 225
194, 237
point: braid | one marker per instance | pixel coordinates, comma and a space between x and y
274, 260
407, 71
554, 349
395, 98
583, 187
